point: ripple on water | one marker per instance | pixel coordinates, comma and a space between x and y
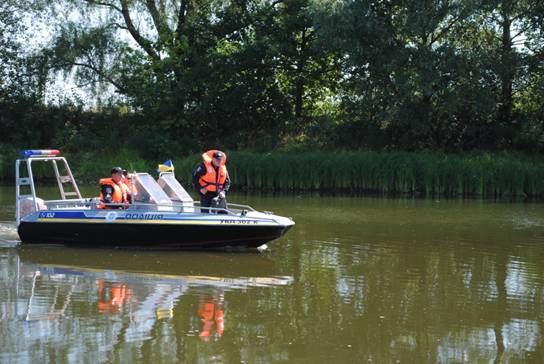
8, 234
523, 284
522, 222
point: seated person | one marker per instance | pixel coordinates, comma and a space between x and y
127, 185
113, 191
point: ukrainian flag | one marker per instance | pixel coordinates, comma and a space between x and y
167, 166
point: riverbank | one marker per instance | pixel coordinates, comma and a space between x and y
501, 175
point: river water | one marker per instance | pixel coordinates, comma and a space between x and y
357, 280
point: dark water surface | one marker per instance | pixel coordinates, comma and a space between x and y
357, 280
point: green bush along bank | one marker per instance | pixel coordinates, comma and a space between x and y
501, 175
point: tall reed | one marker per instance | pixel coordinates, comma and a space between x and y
428, 174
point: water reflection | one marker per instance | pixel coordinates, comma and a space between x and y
114, 298
212, 317
8, 234
373, 280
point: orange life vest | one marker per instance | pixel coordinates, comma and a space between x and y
119, 192
211, 181
118, 295
211, 316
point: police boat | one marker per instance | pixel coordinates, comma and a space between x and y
162, 214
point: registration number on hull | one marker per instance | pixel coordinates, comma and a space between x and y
239, 222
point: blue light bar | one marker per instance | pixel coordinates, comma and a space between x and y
28, 153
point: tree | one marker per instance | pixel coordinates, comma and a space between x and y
437, 74
520, 46
400, 68
178, 61
14, 69
308, 72
452, 75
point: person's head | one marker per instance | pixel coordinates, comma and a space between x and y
217, 158
116, 174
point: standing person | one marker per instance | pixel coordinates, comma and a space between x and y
112, 190
211, 179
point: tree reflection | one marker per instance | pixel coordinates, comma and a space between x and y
501, 262
436, 302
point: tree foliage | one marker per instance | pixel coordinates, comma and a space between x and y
452, 75
19, 75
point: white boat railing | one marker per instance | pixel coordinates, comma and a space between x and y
67, 204
22, 182
232, 209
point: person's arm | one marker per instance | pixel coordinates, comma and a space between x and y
199, 172
226, 185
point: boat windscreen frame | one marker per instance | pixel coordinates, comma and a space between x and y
156, 193
167, 179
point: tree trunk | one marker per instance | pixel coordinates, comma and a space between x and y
299, 91
507, 66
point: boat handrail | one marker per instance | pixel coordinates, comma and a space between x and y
68, 201
241, 207
179, 208
176, 207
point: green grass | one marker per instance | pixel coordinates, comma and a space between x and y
501, 175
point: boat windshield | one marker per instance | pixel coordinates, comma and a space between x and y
147, 190
173, 188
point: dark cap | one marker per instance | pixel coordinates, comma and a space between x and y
116, 170
125, 172
218, 155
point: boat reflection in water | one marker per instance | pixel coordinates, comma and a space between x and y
123, 296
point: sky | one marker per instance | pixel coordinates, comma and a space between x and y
61, 87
